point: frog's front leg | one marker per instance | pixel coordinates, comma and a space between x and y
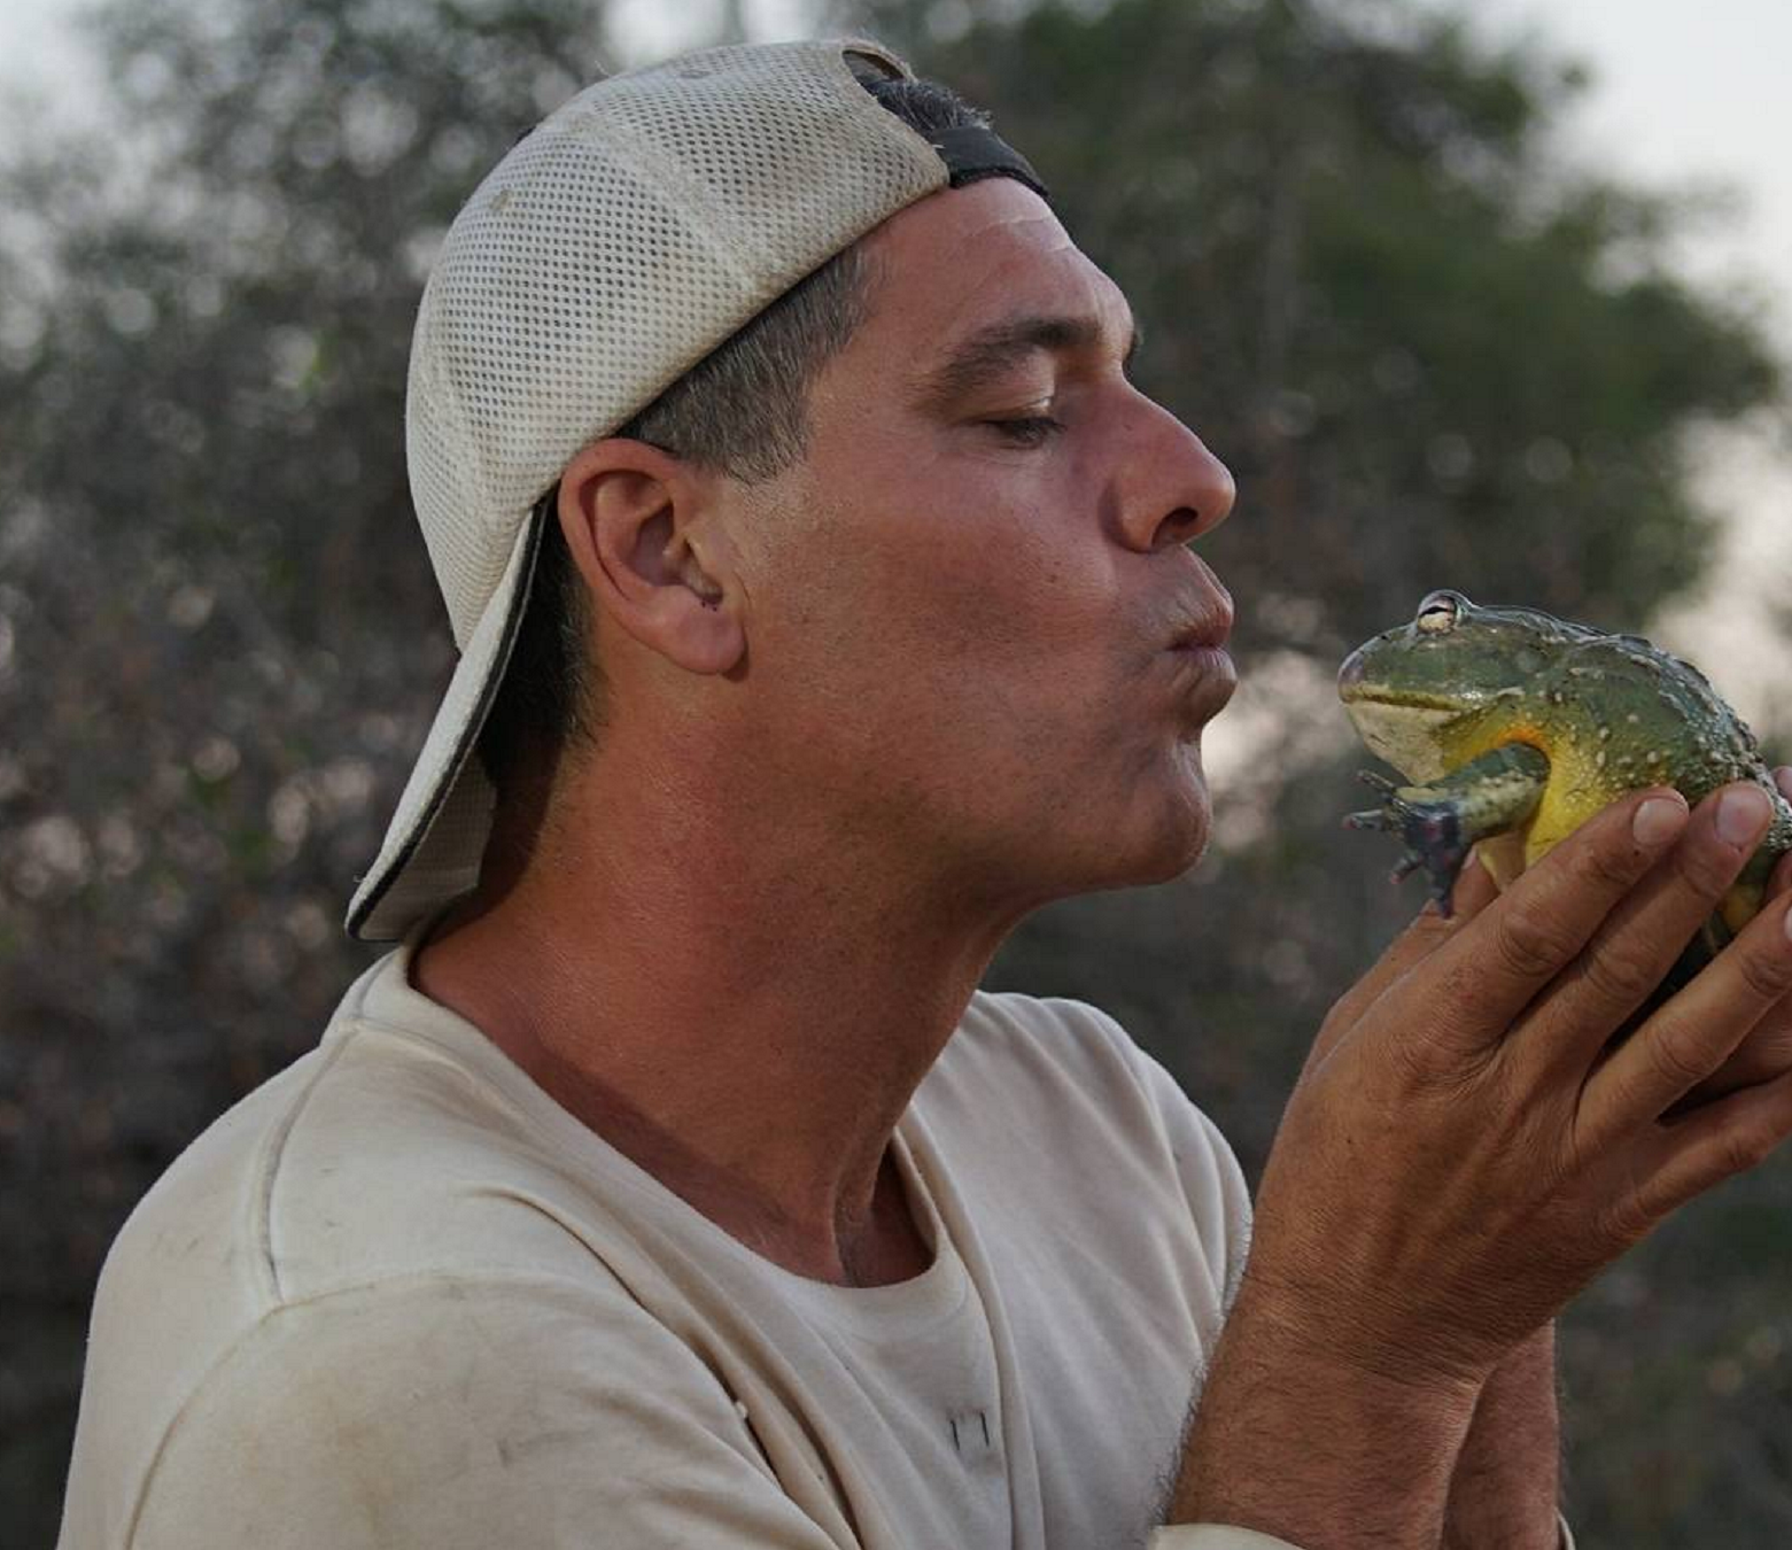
1440, 822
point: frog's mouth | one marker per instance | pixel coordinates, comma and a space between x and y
1407, 732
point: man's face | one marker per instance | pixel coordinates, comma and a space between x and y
967, 601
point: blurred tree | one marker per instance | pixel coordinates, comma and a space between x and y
1431, 357
219, 637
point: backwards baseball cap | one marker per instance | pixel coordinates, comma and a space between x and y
630, 233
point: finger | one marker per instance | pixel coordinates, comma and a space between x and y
1767, 1051
1474, 889
1692, 1034
1520, 941
1712, 1144
1781, 879
1764, 1054
1636, 945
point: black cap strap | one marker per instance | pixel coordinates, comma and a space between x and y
971, 152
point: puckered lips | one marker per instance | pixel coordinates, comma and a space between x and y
1197, 639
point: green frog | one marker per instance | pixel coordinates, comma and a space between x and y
1514, 727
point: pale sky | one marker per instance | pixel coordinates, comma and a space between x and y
1682, 94
1687, 94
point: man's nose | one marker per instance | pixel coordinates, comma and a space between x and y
1179, 489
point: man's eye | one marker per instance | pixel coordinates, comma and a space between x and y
1029, 431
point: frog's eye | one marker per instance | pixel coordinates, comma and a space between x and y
1440, 611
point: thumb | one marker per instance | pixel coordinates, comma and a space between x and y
1475, 889
1782, 874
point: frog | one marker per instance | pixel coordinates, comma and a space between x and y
1512, 727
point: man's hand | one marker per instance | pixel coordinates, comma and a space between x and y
1464, 1152
1767, 1051
1467, 1154
1504, 1487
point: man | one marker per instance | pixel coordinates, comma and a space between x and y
672, 1184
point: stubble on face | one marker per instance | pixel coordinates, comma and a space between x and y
959, 642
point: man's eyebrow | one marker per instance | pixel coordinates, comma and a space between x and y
997, 348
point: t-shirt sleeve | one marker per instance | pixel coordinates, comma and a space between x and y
1217, 1536
1214, 1536
1219, 1199
439, 1413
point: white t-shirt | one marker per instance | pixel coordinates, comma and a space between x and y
397, 1297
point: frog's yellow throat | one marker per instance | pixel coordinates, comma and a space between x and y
1408, 734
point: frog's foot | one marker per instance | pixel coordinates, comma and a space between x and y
1430, 827
1492, 794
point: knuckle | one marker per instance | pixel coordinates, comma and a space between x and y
1671, 1062
1412, 1069
1605, 868
1619, 975
1707, 870
1624, 1222
1769, 1046
1745, 1147
1528, 947
1768, 976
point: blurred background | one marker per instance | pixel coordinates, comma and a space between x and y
1502, 303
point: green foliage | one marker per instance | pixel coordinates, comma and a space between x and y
1431, 356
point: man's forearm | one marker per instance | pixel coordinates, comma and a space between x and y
1507, 1479
1289, 1445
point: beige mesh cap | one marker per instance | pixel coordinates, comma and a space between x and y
630, 233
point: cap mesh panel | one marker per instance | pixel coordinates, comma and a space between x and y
636, 228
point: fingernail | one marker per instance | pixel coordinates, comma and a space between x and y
1658, 820
1742, 814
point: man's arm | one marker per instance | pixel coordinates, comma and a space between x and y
1508, 1475
1464, 1154
1322, 1455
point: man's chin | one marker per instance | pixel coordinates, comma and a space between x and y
1178, 861
1168, 852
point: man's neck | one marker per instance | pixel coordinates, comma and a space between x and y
747, 1022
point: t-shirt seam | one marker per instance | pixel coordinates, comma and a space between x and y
273, 1156
496, 1083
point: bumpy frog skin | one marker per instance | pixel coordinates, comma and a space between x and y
1515, 727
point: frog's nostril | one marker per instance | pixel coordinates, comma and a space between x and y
1351, 673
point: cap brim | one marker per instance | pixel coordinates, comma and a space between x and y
437, 836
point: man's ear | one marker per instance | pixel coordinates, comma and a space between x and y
642, 527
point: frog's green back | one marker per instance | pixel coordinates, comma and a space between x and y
1611, 713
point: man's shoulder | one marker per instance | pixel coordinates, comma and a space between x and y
377, 1155
1064, 1079
391, 1178
1063, 1020
1072, 1145
1047, 1045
